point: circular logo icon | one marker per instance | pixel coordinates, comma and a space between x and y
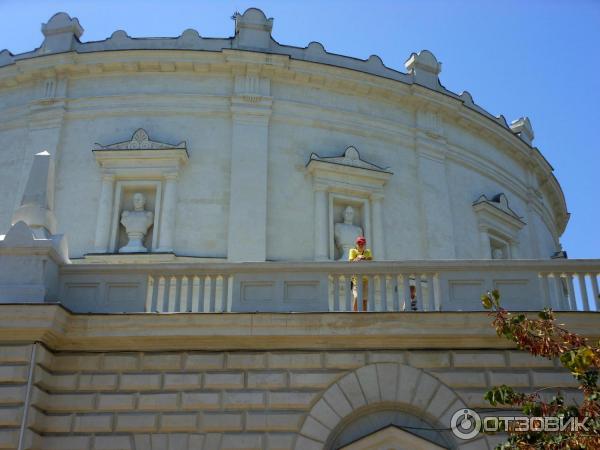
465, 424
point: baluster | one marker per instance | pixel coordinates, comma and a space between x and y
583, 289
430, 302
359, 291
183, 295
370, 294
384, 283
571, 288
218, 293
212, 299
595, 293
149, 293
196, 294
406, 292
395, 292
229, 293
160, 295
419, 293
336, 293
437, 292
545, 288
559, 293
207, 294
348, 292
172, 294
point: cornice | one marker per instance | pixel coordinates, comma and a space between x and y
61, 330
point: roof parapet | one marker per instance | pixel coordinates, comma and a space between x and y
253, 29
61, 33
424, 68
522, 128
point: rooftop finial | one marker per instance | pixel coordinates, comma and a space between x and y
61, 33
522, 128
424, 68
253, 29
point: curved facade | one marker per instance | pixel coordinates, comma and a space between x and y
262, 130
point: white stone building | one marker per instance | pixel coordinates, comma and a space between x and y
199, 175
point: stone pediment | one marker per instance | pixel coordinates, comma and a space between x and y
500, 203
392, 438
350, 158
140, 141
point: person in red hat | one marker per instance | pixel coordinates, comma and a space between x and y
357, 254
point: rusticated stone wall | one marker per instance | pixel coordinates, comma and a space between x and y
241, 400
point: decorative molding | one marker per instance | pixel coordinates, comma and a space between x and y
350, 158
140, 141
499, 203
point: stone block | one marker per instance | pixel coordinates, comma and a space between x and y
555, 378
204, 361
526, 360
473, 398
338, 401
383, 357
161, 361
267, 380
224, 380
157, 402
340, 360
367, 377
140, 381
212, 440
325, 414
441, 401
13, 374
51, 382
44, 357
52, 423
121, 362
291, 399
313, 379
219, 422
387, 376
351, 388
196, 441
429, 359
242, 442
97, 382
74, 363
15, 353
513, 378
295, 360
407, 383
480, 359
182, 381
303, 443
10, 417
315, 430
243, 400
69, 402
92, 423
136, 423
116, 402
246, 361
461, 378
280, 441
200, 400
426, 388
179, 422
273, 421
113, 442
66, 442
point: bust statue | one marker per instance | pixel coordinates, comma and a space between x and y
345, 233
136, 225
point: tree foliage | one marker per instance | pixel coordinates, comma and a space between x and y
544, 337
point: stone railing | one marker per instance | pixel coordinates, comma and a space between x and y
322, 286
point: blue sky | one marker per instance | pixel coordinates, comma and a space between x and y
535, 58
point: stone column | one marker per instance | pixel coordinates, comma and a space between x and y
377, 222
484, 242
250, 113
105, 208
321, 223
168, 213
